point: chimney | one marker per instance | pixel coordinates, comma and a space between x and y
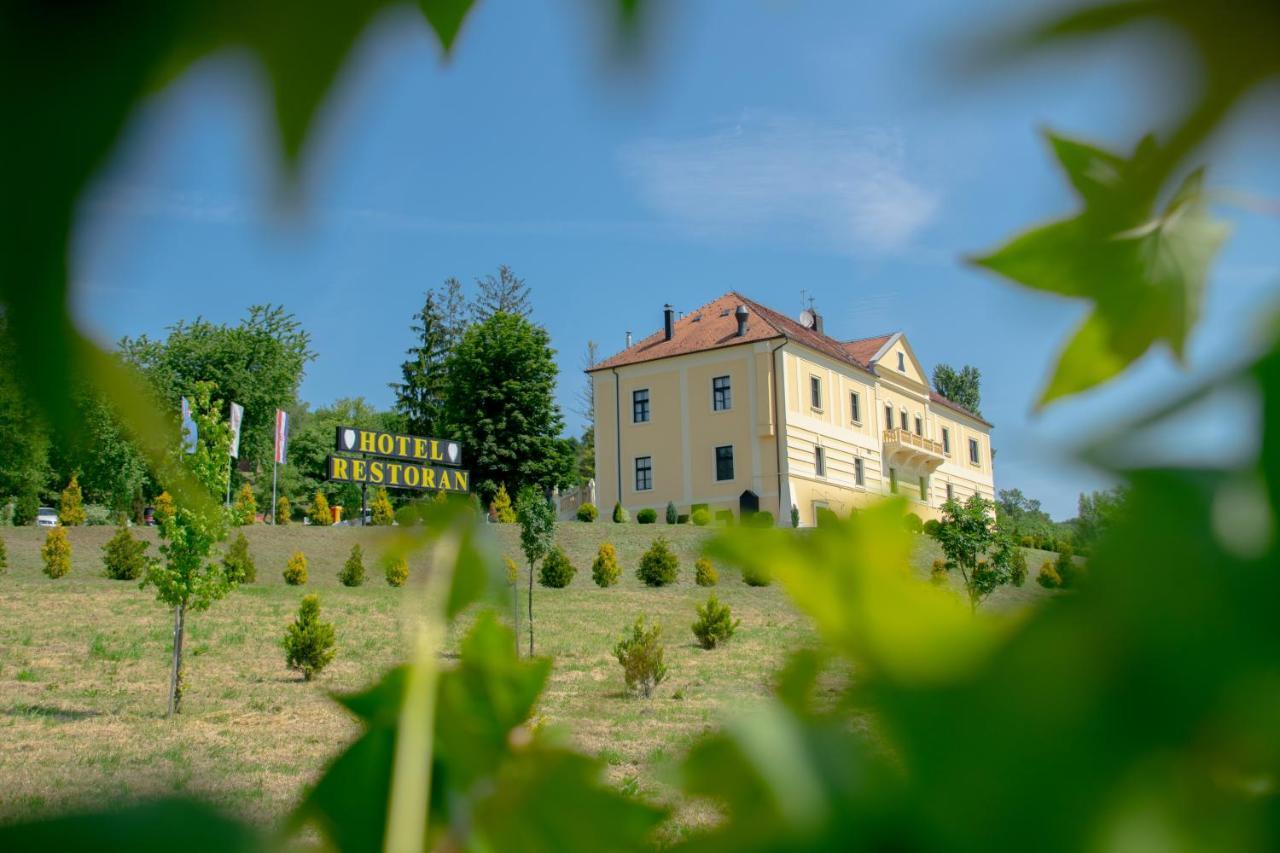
817, 322
741, 313
668, 321
628, 340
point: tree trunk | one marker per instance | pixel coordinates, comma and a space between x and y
515, 611
530, 609
175, 676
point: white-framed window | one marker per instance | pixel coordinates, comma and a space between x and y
855, 407
946, 441
721, 394
858, 475
640, 406
919, 425
902, 420
644, 473
974, 456
888, 416
815, 392
820, 460
724, 463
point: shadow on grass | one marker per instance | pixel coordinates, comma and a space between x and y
49, 712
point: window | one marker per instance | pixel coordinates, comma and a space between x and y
815, 392
893, 480
951, 492
973, 451
902, 362
919, 426
640, 406
888, 417
902, 420
721, 397
946, 441
855, 407
644, 473
857, 470
924, 488
724, 463
820, 461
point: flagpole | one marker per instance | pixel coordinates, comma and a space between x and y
274, 506
231, 466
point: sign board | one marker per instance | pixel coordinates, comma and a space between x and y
397, 474
432, 451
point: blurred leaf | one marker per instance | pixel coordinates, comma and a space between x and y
478, 574
1144, 271
154, 827
446, 17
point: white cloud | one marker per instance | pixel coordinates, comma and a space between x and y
765, 173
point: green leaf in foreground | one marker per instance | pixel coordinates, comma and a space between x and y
1143, 268
153, 827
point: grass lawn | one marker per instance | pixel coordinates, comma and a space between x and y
84, 669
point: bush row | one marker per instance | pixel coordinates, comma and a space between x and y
658, 566
699, 514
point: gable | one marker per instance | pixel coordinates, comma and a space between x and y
896, 359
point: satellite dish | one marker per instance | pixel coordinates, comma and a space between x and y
807, 318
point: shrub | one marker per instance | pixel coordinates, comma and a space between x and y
56, 553
25, 509
1027, 542
931, 526
1069, 571
938, 574
397, 570
72, 504
309, 644
640, 652
238, 564
659, 566
604, 568
1048, 577
513, 570
672, 515
1017, 567
164, 508
123, 557
763, 518
320, 514
715, 623
725, 517
295, 571
756, 576
646, 516
913, 522
4, 557
245, 509
97, 515
701, 517
352, 571
503, 511
824, 517
704, 574
620, 515
795, 516
556, 570
380, 512
284, 512
588, 513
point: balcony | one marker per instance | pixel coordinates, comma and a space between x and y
907, 450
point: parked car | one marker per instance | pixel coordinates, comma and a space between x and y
47, 516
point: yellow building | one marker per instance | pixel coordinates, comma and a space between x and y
737, 406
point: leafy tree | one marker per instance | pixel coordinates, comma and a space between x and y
309, 644
238, 564
258, 363
961, 386
501, 406
1097, 513
502, 509
586, 409
420, 395
320, 514
381, 513
640, 651
537, 536
659, 566
190, 526
123, 557
72, 504
56, 553
311, 443
24, 440
1022, 516
25, 508
604, 568
164, 508
715, 623
504, 294
245, 509
974, 544
109, 467
352, 572
295, 569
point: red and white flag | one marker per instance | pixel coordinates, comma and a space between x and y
282, 435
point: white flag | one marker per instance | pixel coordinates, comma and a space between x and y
237, 415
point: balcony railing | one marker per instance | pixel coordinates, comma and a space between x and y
906, 448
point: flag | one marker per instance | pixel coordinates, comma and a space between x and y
190, 435
282, 435
237, 415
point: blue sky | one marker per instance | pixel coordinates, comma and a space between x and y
834, 148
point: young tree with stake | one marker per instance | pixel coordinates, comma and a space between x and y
537, 536
187, 579
974, 544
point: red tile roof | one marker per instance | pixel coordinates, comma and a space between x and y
864, 349
943, 401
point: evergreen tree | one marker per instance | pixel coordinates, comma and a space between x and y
245, 509
505, 294
381, 513
320, 513
502, 510
123, 557
56, 552
72, 504
284, 512
420, 395
501, 406
352, 572
309, 644
238, 563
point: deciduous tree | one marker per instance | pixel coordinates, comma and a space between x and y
537, 536
986, 557
961, 386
